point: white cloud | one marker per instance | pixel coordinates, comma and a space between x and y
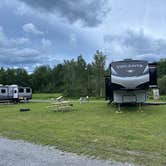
89, 12
136, 45
13, 51
46, 43
31, 28
11, 42
22, 9
124, 15
17, 56
46, 47
73, 39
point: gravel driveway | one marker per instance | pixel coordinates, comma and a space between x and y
20, 153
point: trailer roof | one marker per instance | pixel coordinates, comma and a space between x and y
129, 60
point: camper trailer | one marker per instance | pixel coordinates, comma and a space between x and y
24, 93
129, 81
14, 93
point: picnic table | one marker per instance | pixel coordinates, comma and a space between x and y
60, 106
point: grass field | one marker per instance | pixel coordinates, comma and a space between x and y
92, 129
45, 96
48, 96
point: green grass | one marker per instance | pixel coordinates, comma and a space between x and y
162, 99
92, 129
45, 96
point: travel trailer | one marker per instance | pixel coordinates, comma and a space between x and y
129, 81
14, 93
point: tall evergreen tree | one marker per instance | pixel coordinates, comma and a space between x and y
98, 66
41, 78
161, 68
57, 78
70, 77
81, 76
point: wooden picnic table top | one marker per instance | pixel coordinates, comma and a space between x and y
60, 102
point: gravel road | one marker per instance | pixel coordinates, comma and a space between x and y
20, 153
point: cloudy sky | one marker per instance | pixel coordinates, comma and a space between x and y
36, 32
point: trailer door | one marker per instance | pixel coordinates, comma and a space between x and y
15, 94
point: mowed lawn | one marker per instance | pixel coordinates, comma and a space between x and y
92, 129
45, 96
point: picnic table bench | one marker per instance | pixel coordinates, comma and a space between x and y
60, 106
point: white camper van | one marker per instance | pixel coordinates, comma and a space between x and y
12, 93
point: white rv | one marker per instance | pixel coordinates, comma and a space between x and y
129, 81
14, 93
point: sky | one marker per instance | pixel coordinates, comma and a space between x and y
40, 32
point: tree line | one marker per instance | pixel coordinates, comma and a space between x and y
71, 78
161, 72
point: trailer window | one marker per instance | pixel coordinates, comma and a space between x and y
21, 90
28, 90
15, 91
3, 90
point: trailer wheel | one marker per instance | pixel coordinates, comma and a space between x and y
16, 101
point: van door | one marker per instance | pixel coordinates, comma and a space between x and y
15, 93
